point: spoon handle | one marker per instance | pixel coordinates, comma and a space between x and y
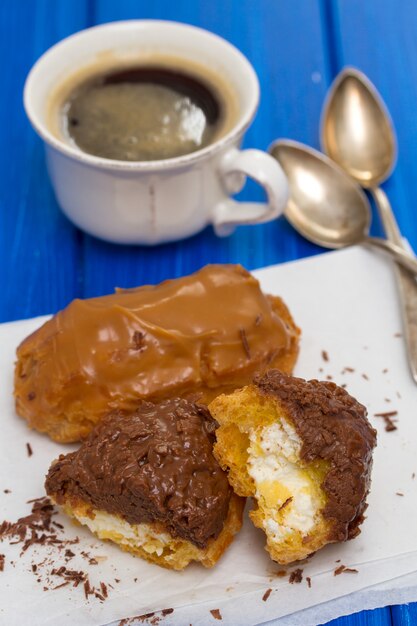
406, 260
407, 286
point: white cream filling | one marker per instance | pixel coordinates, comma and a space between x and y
273, 456
142, 535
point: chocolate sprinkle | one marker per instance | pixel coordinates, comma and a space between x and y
266, 594
296, 576
29, 449
245, 343
342, 569
216, 614
389, 422
324, 355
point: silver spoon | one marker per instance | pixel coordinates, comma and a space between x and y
358, 134
326, 206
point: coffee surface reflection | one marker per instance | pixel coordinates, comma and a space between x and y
143, 114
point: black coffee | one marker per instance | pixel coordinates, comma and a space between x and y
143, 114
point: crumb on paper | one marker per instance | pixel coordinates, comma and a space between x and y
348, 369
329, 377
398, 335
267, 594
387, 417
41, 534
342, 569
325, 355
281, 573
385, 370
387, 399
29, 449
216, 614
308, 579
2, 557
399, 493
365, 376
7, 491
296, 576
413, 475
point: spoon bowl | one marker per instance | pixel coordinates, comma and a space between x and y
357, 130
325, 205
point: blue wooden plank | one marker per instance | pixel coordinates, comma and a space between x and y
405, 615
291, 75
378, 617
38, 247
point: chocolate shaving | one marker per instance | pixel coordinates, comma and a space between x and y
245, 343
389, 422
2, 557
398, 493
324, 355
287, 501
29, 449
365, 376
103, 588
308, 579
266, 594
167, 611
296, 576
6, 491
138, 340
216, 614
342, 569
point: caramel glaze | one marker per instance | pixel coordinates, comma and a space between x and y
201, 334
333, 427
153, 465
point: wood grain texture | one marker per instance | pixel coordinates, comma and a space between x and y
39, 249
405, 615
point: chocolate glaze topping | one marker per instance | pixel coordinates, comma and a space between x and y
191, 334
154, 465
332, 426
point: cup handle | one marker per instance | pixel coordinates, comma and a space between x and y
265, 170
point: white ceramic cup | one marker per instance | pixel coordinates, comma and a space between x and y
149, 202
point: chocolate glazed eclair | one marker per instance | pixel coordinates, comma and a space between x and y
149, 482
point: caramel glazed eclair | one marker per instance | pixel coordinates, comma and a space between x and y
149, 482
194, 336
303, 451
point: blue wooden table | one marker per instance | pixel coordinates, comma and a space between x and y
296, 47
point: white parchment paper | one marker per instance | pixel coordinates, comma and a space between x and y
346, 304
